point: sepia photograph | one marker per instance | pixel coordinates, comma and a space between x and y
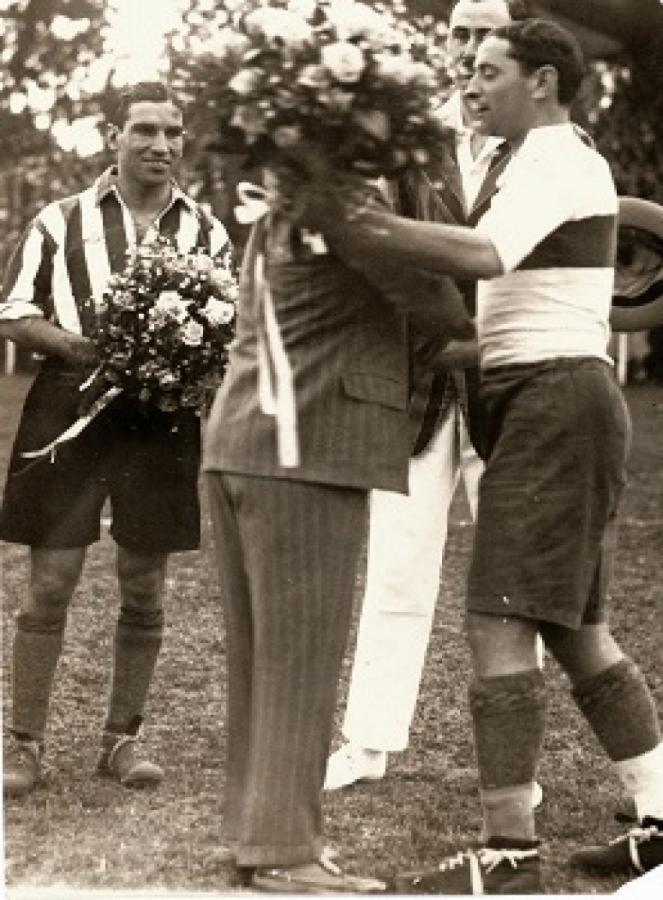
331, 448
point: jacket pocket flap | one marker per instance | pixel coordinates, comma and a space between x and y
375, 389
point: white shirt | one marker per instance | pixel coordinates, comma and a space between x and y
552, 223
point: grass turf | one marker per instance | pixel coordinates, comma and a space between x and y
82, 831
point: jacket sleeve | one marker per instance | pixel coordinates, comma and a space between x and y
433, 300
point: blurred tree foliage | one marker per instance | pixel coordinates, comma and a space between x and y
48, 46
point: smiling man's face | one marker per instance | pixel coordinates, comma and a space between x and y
500, 92
150, 142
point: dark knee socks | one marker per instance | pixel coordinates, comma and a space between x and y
508, 712
620, 710
138, 637
37, 648
622, 713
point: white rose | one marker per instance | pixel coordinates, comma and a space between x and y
303, 8
192, 333
272, 23
394, 67
201, 263
344, 60
352, 19
222, 280
170, 304
227, 42
245, 81
218, 312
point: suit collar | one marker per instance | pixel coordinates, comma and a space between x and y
446, 175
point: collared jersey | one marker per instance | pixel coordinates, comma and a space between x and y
553, 225
71, 248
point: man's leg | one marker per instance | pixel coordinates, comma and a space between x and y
614, 698
507, 702
299, 547
136, 645
236, 597
406, 547
37, 646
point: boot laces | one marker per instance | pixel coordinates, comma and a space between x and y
452, 862
490, 858
635, 837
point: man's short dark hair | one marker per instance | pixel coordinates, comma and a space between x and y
141, 92
537, 42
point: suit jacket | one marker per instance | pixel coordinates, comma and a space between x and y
438, 197
348, 351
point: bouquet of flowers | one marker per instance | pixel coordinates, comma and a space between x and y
358, 80
164, 327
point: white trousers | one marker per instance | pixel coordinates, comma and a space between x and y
405, 551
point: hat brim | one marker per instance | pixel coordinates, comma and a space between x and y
642, 309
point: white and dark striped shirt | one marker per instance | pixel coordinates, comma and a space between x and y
553, 225
68, 252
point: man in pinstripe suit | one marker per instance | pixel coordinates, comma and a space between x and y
289, 483
146, 462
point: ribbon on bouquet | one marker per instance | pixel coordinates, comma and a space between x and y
79, 425
276, 393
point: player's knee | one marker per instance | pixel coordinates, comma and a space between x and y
502, 645
141, 579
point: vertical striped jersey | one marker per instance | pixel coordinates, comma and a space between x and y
553, 223
64, 260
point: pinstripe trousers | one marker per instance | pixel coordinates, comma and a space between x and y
287, 553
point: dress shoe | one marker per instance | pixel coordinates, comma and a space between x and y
22, 767
121, 760
350, 764
636, 852
318, 877
489, 870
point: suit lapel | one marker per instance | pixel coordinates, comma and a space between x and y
444, 176
488, 188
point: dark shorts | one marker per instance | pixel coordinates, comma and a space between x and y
146, 463
558, 435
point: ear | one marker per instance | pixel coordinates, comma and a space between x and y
112, 135
545, 83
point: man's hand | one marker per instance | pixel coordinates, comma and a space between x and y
78, 351
457, 355
43, 337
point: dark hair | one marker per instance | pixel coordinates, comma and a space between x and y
142, 91
538, 42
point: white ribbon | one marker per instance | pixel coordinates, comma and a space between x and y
258, 202
79, 425
255, 203
276, 392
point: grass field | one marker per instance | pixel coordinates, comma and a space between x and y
80, 831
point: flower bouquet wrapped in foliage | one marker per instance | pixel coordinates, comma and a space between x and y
164, 326
360, 81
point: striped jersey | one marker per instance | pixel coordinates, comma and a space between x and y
67, 254
553, 226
